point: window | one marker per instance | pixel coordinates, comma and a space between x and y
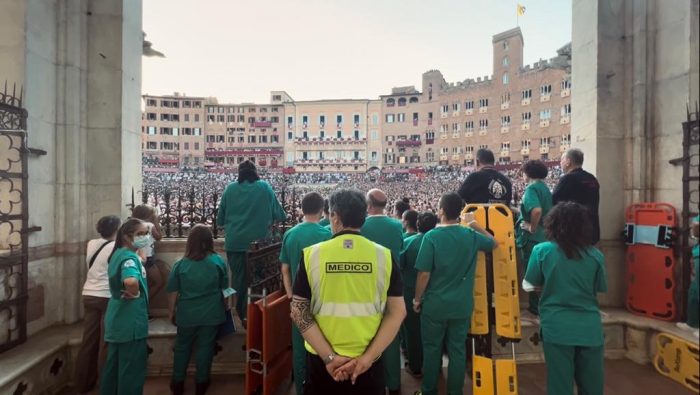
525, 144
151, 145
375, 119
390, 102
483, 146
526, 94
197, 131
469, 149
339, 134
152, 103
506, 80
151, 130
251, 139
322, 120
444, 128
187, 146
455, 127
505, 61
469, 126
566, 139
526, 116
374, 155
196, 146
374, 135
545, 141
187, 117
545, 115
305, 119
505, 146
455, 107
505, 98
322, 134
356, 134
290, 136
483, 102
402, 102
566, 110
545, 90
339, 119
231, 118
290, 121
483, 124
389, 118
275, 119
566, 84
220, 118
445, 108
413, 100
505, 120
401, 117
276, 97
505, 45
469, 105
356, 119
263, 139
456, 150
444, 150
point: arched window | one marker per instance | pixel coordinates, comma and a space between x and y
505, 79
505, 61
402, 102
390, 102
413, 100
505, 45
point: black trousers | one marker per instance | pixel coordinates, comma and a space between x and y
319, 382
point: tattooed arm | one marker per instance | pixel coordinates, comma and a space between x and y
304, 320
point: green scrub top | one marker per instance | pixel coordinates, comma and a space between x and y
407, 262
246, 213
569, 311
406, 235
536, 195
199, 284
126, 319
696, 262
299, 237
324, 221
448, 253
384, 231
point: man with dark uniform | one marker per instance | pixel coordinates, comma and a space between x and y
580, 186
486, 185
347, 304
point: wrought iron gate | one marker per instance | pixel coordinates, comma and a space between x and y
13, 219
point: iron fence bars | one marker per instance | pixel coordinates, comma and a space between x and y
14, 228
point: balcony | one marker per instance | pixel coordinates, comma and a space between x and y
455, 113
566, 92
329, 140
468, 134
564, 120
544, 123
483, 132
455, 135
444, 115
470, 111
525, 126
563, 147
525, 151
483, 110
505, 106
505, 129
408, 143
504, 153
429, 141
469, 156
525, 102
443, 136
545, 98
261, 124
455, 156
443, 157
544, 150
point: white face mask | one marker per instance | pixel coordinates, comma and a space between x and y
142, 241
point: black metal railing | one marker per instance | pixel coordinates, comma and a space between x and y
179, 210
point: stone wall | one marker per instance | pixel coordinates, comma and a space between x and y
79, 63
635, 68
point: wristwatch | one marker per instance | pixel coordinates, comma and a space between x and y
329, 358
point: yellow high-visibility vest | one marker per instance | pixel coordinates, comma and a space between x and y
349, 279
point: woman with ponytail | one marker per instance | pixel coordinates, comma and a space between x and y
126, 320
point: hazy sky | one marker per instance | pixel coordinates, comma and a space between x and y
240, 50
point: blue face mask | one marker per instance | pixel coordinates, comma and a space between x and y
142, 241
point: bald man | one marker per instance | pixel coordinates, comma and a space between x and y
387, 232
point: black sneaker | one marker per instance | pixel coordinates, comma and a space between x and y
417, 374
151, 318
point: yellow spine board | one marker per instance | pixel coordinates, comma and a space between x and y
482, 376
480, 314
678, 360
506, 377
505, 272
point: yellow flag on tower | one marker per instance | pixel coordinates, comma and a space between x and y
521, 10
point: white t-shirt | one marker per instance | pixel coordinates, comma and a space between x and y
97, 281
149, 250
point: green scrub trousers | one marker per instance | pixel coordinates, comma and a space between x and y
533, 296
125, 369
239, 280
411, 331
204, 339
298, 360
567, 365
391, 359
453, 334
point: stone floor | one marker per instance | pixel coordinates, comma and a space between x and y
623, 377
